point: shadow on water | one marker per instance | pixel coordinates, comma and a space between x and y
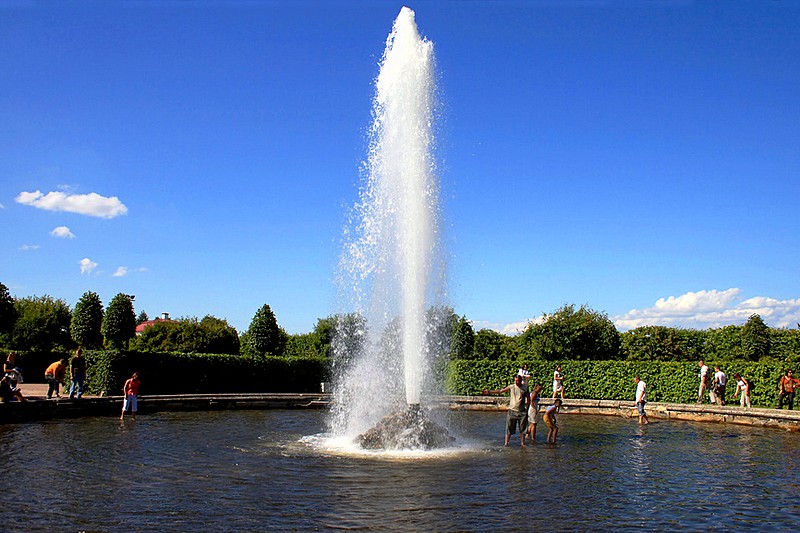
257, 470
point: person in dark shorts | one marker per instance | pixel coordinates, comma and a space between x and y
517, 415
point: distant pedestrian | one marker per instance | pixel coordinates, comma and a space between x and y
717, 393
525, 374
77, 374
558, 383
641, 399
550, 420
743, 388
131, 391
786, 390
54, 375
517, 415
533, 411
705, 381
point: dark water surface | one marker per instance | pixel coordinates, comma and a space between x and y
250, 471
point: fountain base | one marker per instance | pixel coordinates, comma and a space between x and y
407, 429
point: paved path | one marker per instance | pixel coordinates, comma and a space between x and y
38, 391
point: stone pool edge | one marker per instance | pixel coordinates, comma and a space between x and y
36, 410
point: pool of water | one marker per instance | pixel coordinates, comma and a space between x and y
260, 471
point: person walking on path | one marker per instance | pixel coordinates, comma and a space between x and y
517, 409
550, 420
533, 411
54, 375
525, 374
742, 387
786, 390
641, 399
77, 374
131, 391
717, 394
704, 381
558, 383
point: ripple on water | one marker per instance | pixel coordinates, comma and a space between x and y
256, 470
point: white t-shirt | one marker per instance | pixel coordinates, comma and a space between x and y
720, 378
703, 372
641, 392
557, 381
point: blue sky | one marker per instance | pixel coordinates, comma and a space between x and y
642, 158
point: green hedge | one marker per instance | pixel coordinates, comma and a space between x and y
176, 373
674, 382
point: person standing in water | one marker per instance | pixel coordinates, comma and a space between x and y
641, 399
131, 391
550, 420
533, 411
517, 409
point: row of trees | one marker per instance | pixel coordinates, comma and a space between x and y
569, 333
584, 334
43, 324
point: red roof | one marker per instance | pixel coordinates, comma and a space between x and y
147, 323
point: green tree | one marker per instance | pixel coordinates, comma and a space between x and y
463, 343
755, 338
489, 344
349, 337
210, 335
263, 337
119, 322
220, 336
87, 321
661, 343
8, 313
569, 334
142, 317
42, 324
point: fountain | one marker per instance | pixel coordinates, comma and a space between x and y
392, 266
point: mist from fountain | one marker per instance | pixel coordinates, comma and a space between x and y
392, 275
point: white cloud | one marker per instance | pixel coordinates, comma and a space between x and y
62, 232
87, 265
124, 271
91, 204
514, 328
29, 247
711, 309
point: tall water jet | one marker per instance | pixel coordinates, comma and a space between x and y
393, 276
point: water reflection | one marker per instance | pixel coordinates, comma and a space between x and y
258, 470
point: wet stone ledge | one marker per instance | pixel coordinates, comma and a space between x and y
41, 409
729, 414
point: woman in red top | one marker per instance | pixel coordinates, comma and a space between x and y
131, 390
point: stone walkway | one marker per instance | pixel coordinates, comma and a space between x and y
38, 391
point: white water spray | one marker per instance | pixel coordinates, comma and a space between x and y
393, 274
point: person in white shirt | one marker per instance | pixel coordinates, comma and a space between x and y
720, 380
743, 388
641, 399
551, 422
558, 383
704, 381
525, 374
